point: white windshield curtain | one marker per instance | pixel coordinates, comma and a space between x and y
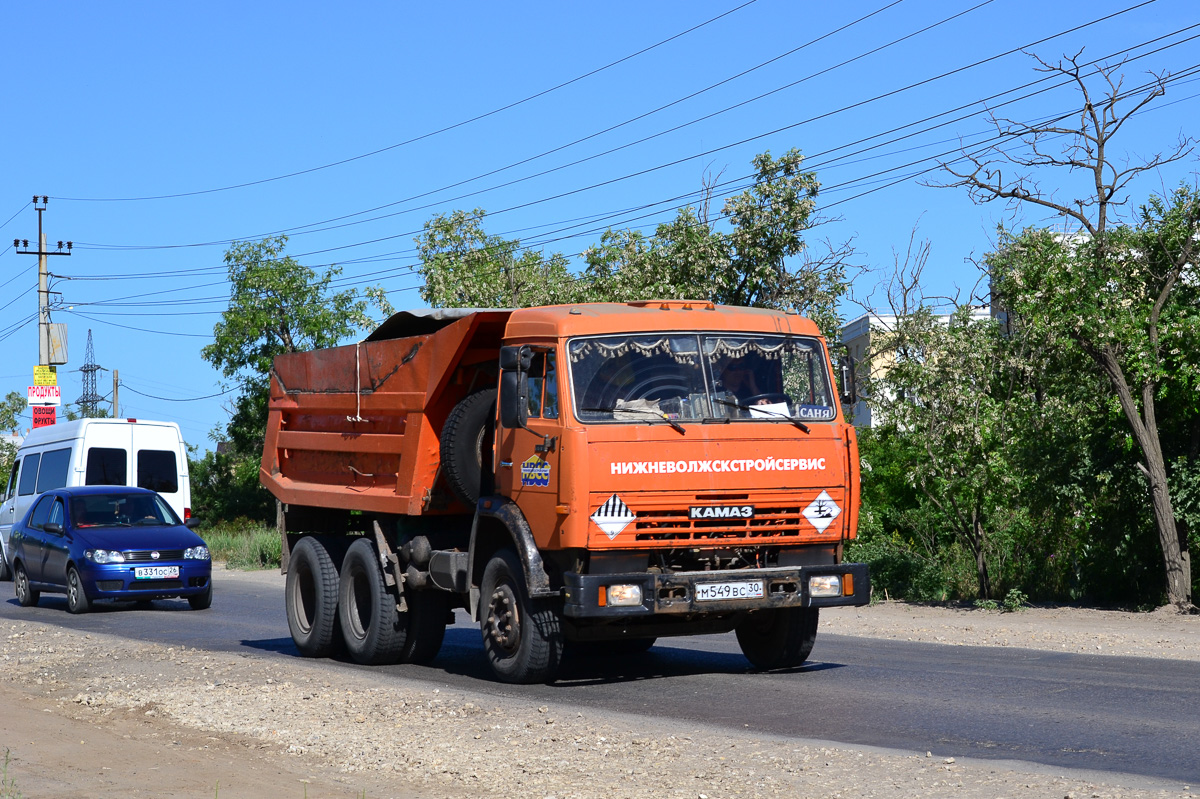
616, 347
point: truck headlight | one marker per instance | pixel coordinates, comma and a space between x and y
624, 595
825, 585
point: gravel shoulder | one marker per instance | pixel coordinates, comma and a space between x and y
153, 720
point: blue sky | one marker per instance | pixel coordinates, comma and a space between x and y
137, 118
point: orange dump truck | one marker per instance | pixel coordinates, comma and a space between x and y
593, 476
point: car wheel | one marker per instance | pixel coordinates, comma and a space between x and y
202, 601
311, 598
5, 571
779, 638
372, 627
521, 636
26, 596
77, 599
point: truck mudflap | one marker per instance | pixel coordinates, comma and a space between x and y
589, 596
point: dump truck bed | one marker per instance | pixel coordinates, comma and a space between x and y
357, 427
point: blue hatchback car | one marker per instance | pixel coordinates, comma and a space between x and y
108, 542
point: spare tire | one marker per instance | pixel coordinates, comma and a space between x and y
467, 446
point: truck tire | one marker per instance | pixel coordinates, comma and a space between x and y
427, 612
467, 444
522, 637
311, 598
372, 627
781, 638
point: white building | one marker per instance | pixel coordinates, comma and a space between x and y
857, 335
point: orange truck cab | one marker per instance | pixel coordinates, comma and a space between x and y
593, 476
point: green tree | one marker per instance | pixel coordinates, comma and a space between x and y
749, 261
1122, 294
464, 267
276, 305
947, 387
11, 407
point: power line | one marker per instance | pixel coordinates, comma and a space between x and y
642, 172
127, 387
14, 216
423, 136
841, 157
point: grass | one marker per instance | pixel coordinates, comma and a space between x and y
243, 545
8, 786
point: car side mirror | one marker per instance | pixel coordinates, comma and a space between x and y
53, 527
191, 523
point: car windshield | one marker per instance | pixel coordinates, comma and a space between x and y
121, 510
690, 377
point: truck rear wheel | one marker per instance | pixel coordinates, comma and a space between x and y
372, 626
778, 639
311, 598
467, 443
521, 636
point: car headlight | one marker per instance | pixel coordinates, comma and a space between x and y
196, 553
104, 556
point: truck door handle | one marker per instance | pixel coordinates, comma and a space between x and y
506, 464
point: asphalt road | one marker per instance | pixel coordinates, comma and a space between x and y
1133, 715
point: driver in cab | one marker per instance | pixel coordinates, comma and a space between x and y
746, 379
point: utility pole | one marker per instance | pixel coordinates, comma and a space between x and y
22, 248
116, 385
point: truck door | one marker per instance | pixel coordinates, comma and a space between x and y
529, 459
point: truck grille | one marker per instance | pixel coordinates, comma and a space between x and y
768, 524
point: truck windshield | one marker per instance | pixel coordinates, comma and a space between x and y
690, 377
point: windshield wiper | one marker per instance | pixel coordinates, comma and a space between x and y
656, 414
764, 409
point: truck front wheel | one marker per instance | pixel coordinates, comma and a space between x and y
781, 638
521, 636
311, 597
372, 626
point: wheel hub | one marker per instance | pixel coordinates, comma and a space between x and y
504, 623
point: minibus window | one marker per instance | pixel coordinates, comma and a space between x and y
53, 473
156, 470
29, 470
106, 467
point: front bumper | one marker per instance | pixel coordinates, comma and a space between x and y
120, 581
786, 587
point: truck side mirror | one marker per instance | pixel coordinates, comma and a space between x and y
516, 359
514, 386
849, 384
